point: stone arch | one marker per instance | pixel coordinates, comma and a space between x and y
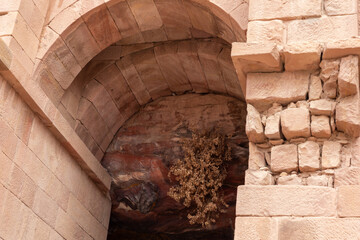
79, 38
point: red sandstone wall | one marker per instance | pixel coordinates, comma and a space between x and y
44, 194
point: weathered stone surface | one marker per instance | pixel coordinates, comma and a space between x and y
302, 56
264, 228
277, 9
315, 88
329, 69
266, 88
355, 152
347, 116
266, 31
289, 180
258, 178
256, 157
272, 127
349, 201
318, 228
348, 78
331, 155
285, 201
320, 126
347, 176
342, 48
254, 128
322, 29
295, 122
309, 156
322, 107
330, 88
321, 180
275, 108
284, 158
340, 7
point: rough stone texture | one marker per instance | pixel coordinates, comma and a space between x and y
289, 180
256, 157
266, 88
272, 127
322, 29
315, 88
295, 122
254, 128
329, 69
347, 116
349, 201
258, 178
146, 146
285, 201
318, 228
340, 7
355, 152
277, 9
266, 31
301, 56
264, 228
284, 158
309, 156
348, 78
320, 126
330, 155
347, 176
321, 180
322, 107
330, 88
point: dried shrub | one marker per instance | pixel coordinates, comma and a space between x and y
200, 176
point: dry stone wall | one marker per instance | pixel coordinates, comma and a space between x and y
308, 135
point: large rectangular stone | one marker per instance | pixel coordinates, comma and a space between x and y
322, 29
342, 48
283, 88
264, 228
279, 9
285, 201
318, 228
349, 201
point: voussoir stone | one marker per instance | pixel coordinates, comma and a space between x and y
331, 153
309, 156
278, 200
320, 126
284, 158
267, 88
254, 127
348, 78
295, 123
322, 107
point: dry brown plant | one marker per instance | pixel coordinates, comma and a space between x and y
200, 176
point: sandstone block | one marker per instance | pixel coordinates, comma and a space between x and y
329, 69
355, 152
267, 88
347, 116
315, 88
301, 56
284, 158
321, 180
331, 154
342, 48
318, 228
256, 157
258, 178
266, 31
348, 78
275, 108
285, 201
322, 29
347, 176
320, 126
277, 9
289, 180
340, 7
272, 127
322, 107
309, 156
263, 228
330, 88
295, 122
349, 201
254, 127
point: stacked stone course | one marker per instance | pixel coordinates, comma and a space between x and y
305, 138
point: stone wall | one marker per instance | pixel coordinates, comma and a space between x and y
44, 193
